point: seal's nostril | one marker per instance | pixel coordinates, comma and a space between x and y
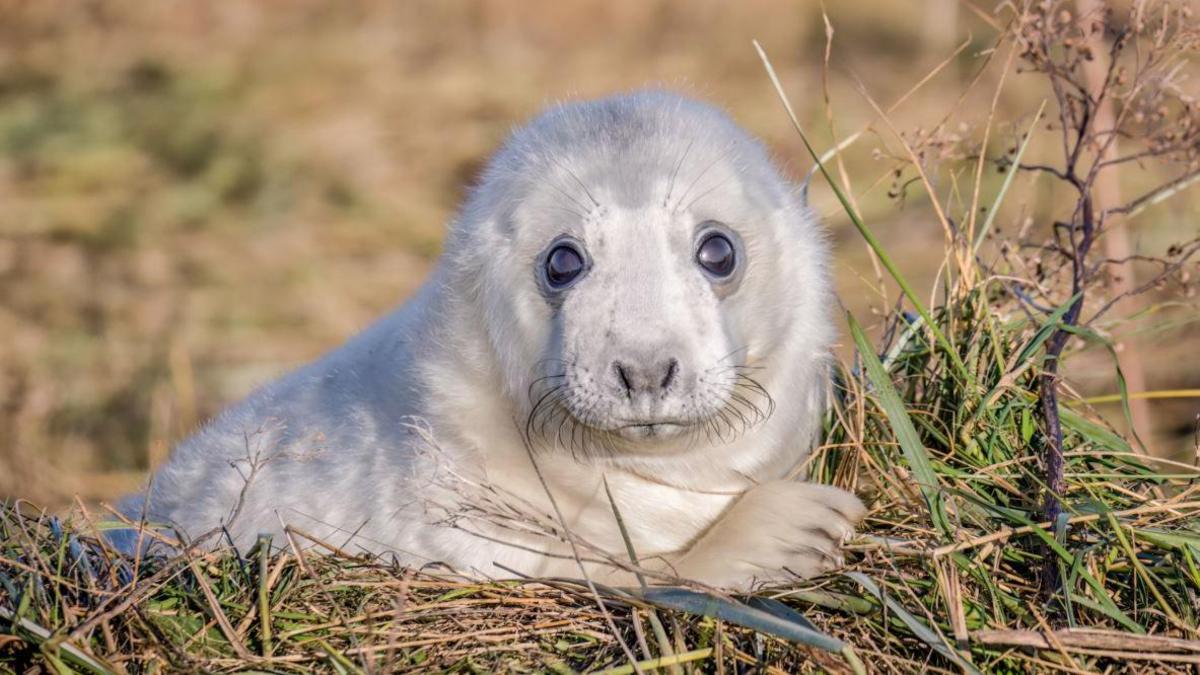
672, 369
649, 378
623, 377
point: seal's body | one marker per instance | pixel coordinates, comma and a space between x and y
632, 294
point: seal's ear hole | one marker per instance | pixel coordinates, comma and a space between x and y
564, 263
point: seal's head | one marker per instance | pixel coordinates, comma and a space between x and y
643, 272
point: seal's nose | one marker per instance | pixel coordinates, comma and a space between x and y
647, 377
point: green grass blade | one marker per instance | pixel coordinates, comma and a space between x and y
779, 609
1093, 432
902, 426
703, 604
926, 634
1093, 337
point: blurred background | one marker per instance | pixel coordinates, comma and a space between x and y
196, 196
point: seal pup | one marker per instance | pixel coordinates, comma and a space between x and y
632, 301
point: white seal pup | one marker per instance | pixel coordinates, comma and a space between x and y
632, 295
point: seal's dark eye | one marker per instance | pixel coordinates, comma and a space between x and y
716, 255
563, 266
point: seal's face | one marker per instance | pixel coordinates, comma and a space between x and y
641, 348
656, 273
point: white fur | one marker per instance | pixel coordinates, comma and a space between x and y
407, 438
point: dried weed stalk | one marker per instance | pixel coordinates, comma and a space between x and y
1158, 125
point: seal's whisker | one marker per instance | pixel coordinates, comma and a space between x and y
747, 382
559, 410
720, 184
578, 428
736, 402
746, 404
575, 177
675, 172
565, 209
743, 393
747, 414
583, 208
608, 443
735, 351
753, 414
719, 420
727, 424
693, 433
716, 160
534, 384
538, 408
566, 424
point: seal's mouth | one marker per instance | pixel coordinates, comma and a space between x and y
641, 430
